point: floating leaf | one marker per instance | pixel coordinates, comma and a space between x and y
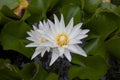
9, 3
34, 71
95, 68
8, 71
113, 47
91, 5
13, 37
70, 11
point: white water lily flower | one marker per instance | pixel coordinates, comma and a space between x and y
64, 39
37, 39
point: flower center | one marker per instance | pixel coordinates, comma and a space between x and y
42, 40
62, 39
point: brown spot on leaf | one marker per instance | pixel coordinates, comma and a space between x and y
106, 1
23, 4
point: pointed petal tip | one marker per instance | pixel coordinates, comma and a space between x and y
85, 55
27, 46
61, 15
32, 58
72, 19
34, 27
88, 30
81, 24
32, 45
54, 16
49, 20
42, 55
69, 59
27, 32
51, 63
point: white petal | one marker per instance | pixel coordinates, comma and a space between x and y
43, 51
56, 23
81, 36
46, 44
54, 57
74, 34
62, 24
50, 34
41, 25
69, 26
48, 37
74, 41
40, 31
76, 30
84, 31
68, 55
38, 50
46, 26
52, 26
34, 27
32, 45
48, 49
31, 39
76, 49
61, 51
56, 19
34, 34
78, 26
81, 51
30, 34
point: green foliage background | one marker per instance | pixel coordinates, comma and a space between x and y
103, 42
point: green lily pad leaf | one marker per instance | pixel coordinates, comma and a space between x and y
52, 76
116, 2
96, 47
28, 71
35, 8
4, 19
95, 68
34, 71
8, 12
117, 10
9, 3
26, 15
113, 47
38, 9
91, 5
72, 2
70, 11
13, 37
8, 71
78, 60
109, 7
41, 74
49, 4
102, 24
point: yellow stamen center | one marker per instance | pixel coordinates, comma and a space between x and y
62, 39
42, 40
